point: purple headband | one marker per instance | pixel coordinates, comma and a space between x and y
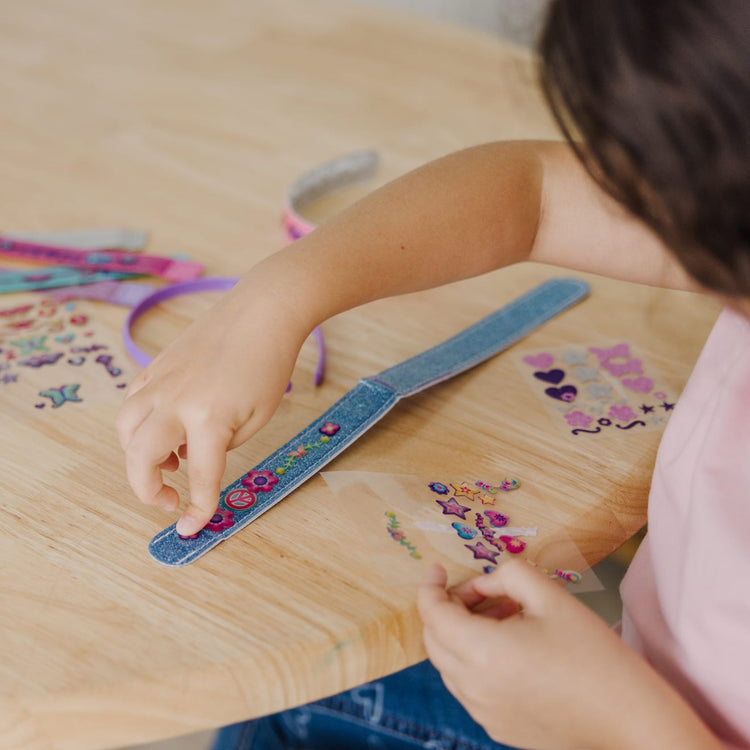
208, 284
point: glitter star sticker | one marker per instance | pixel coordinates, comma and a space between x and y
584, 374
482, 553
463, 490
574, 358
599, 390
453, 508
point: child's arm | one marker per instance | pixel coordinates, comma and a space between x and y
460, 216
552, 675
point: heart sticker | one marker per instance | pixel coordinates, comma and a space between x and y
496, 519
566, 393
542, 360
551, 376
464, 531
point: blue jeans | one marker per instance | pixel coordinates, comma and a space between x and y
406, 710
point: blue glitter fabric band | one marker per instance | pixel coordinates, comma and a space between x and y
320, 442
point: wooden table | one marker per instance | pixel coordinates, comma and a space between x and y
189, 119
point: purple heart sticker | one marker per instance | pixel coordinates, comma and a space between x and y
551, 376
566, 393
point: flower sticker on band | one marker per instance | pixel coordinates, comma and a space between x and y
330, 429
260, 481
222, 519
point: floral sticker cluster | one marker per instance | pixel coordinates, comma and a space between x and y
598, 389
397, 534
327, 431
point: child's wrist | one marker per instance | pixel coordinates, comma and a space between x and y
269, 295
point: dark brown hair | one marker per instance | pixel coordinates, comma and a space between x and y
654, 95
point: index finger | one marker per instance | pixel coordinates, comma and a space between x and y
207, 460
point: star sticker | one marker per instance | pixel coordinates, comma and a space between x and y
62, 394
647, 409
482, 553
487, 499
453, 508
584, 374
463, 490
666, 406
599, 390
574, 358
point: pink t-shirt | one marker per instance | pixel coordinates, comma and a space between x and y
686, 596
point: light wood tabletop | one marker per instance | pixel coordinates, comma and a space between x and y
190, 119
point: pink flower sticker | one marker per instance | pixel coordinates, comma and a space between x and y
260, 481
330, 429
222, 519
578, 419
640, 385
622, 413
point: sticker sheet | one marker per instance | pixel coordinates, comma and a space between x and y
53, 358
467, 525
598, 390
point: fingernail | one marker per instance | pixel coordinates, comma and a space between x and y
187, 525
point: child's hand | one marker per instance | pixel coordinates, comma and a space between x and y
530, 663
207, 392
